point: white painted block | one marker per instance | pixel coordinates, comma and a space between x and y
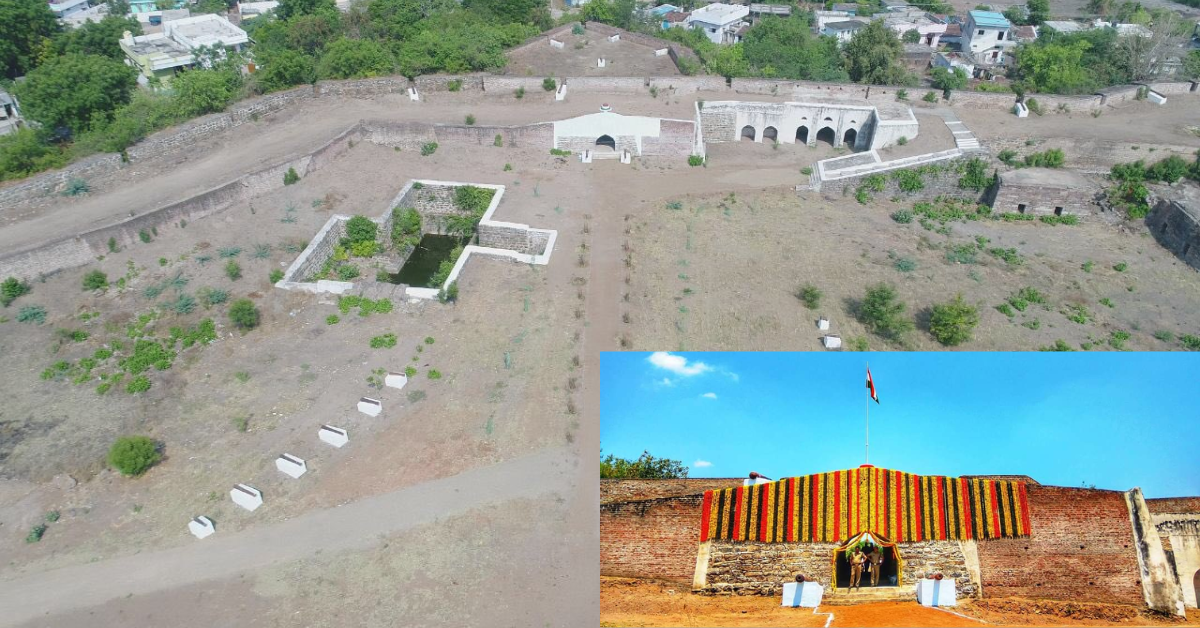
335, 436
291, 465
201, 527
1022, 110
586, 156
616, 37
662, 52
395, 380
246, 496
561, 94
832, 341
554, 43
932, 592
1156, 98
601, 62
823, 324
754, 481
626, 157
334, 287
370, 407
412, 94
804, 594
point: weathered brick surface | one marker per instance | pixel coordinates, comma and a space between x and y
654, 538
1174, 504
1081, 549
631, 490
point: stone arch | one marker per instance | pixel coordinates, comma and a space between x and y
802, 135
827, 134
828, 119
770, 133
606, 140
748, 133
850, 137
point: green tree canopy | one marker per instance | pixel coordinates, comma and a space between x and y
26, 27
284, 69
75, 91
398, 19
205, 91
646, 467
24, 153
873, 56
98, 38
535, 12
458, 44
947, 79
288, 9
619, 13
309, 33
786, 48
354, 58
1191, 64
1054, 68
952, 323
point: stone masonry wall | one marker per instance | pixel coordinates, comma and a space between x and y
654, 538
1043, 200
676, 138
1176, 229
1081, 549
630, 490
944, 183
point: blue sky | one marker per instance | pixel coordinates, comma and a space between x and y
1115, 420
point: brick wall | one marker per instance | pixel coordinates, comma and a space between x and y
675, 139
1081, 549
632, 490
1164, 504
654, 538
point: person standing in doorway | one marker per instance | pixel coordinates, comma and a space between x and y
857, 560
875, 558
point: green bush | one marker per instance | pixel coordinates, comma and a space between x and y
470, 119
139, 384
810, 296
902, 216
1052, 158
559, 152
695, 160
11, 289
428, 148
434, 374
332, 319
449, 294
974, 175
36, 533
454, 85
519, 93
549, 84
930, 97
290, 176
952, 323
1120, 267
386, 341
233, 270
883, 313
133, 455
95, 280
275, 276
908, 180
32, 314
902, 141
1190, 342
361, 229
212, 296
76, 187
346, 272
244, 314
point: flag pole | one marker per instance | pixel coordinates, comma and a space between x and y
867, 449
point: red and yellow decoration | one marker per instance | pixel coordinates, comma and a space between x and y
831, 507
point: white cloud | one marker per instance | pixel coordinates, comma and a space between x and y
700, 464
709, 395
677, 364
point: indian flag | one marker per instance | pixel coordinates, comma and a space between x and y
871, 386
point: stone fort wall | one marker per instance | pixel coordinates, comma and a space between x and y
651, 538
1177, 229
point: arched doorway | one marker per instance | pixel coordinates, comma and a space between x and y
606, 140
748, 133
849, 138
889, 572
802, 135
770, 133
827, 135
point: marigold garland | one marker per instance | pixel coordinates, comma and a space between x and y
831, 507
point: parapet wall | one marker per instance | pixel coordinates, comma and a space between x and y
1175, 226
653, 538
632, 490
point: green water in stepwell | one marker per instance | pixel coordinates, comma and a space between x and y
433, 249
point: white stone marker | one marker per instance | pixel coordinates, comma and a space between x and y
554, 43
335, 436
201, 527
246, 496
601, 62
291, 465
370, 407
823, 324
395, 380
561, 94
804, 594
1022, 110
832, 341
586, 156
932, 592
661, 52
616, 37
1156, 98
626, 157
413, 95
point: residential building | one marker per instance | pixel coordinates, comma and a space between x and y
675, 19
1063, 26
720, 22
843, 31
928, 27
986, 36
91, 14
850, 8
821, 18
950, 60
63, 8
760, 9
252, 9
10, 114
953, 35
162, 55
663, 9
1024, 34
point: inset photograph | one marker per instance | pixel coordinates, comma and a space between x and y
916, 489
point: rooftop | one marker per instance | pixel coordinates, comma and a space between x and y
846, 25
205, 30
720, 13
989, 19
160, 51
1063, 26
1047, 177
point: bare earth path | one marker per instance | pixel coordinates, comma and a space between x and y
352, 526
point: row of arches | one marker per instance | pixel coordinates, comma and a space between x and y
826, 134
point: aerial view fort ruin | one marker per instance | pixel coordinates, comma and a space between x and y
303, 301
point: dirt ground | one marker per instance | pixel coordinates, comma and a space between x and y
578, 57
626, 602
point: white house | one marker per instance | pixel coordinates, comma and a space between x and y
951, 60
10, 114
928, 27
987, 36
162, 55
720, 22
63, 8
844, 30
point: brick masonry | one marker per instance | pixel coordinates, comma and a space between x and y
652, 538
629, 490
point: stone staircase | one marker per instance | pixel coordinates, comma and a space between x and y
843, 597
964, 139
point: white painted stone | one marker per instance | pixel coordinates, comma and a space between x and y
554, 43
755, 481
616, 37
626, 157
291, 466
334, 287
832, 341
804, 594
201, 527
246, 496
395, 380
561, 94
1022, 110
370, 407
662, 52
823, 324
601, 62
1156, 98
586, 156
932, 592
335, 436
413, 95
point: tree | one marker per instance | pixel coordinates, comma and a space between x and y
948, 79
361, 229
1038, 11
12, 289
1100, 7
133, 455
288, 9
26, 27
1191, 64
397, 19
455, 46
534, 12
98, 38
205, 91
619, 13
1145, 56
1054, 68
243, 314
354, 58
883, 313
873, 56
284, 69
911, 36
309, 33
24, 152
952, 323
786, 48
646, 467
75, 91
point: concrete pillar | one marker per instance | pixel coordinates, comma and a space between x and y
1159, 586
700, 579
